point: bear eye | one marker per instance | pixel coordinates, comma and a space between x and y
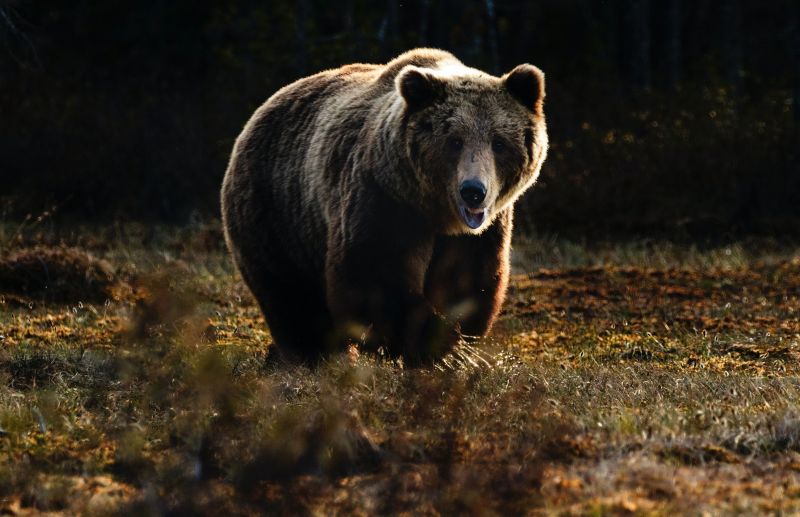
456, 143
498, 145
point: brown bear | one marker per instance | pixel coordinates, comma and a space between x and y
375, 202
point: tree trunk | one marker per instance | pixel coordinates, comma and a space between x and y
795, 56
301, 37
523, 25
352, 35
424, 18
390, 27
441, 33
731, 46
673, 44
491, 21
636, 43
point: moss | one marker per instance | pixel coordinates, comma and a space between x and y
61, 274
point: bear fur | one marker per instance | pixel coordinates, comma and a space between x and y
342, 210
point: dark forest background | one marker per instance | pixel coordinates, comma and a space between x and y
671, 116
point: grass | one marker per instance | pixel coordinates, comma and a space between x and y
633, 378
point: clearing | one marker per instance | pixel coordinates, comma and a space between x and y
633, 378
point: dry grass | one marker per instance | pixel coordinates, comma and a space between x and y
622, 379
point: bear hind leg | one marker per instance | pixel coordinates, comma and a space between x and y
298, 320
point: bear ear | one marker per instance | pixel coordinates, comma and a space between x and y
418, 87
526, 84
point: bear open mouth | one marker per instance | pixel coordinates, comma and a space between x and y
473, 217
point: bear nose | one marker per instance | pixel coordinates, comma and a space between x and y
473, 192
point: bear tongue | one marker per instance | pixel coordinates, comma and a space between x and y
473, 218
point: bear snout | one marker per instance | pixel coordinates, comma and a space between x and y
473, 192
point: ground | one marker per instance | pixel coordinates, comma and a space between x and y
623, 378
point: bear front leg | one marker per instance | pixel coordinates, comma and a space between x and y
402, 322
468, 275
375, 272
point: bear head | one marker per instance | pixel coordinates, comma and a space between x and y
474, 142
